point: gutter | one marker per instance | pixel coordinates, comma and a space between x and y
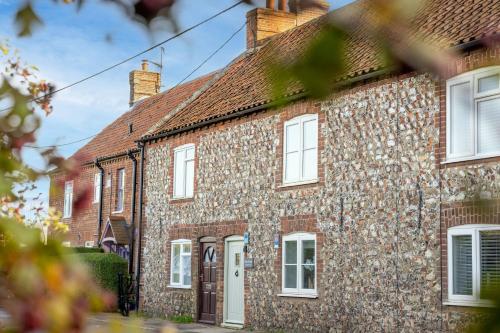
110, 157
132, 211
99, 213
142, 147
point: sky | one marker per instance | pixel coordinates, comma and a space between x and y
73, 44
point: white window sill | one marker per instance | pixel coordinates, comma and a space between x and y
95, 202
66, 217
298, 295
178, 287
117, 212
480, 303
305, 182
469, 158
182, 198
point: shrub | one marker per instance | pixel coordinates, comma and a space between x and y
105, 268
87, 250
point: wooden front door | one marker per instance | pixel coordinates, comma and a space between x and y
208, 286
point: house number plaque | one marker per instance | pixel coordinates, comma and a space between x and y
248, 263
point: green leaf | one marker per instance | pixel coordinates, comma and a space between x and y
26, 20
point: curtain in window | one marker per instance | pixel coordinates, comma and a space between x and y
462, 265
490, 261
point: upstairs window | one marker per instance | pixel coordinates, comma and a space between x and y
97, 187
68, 199
473, 263
299, 264
184, 171
180, 264
120, 190
300, 155
473, 114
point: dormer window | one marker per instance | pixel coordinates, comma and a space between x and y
473, 115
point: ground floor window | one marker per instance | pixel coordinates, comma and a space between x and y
180, 264
299, 264
473, 263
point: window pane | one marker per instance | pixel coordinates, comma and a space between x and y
186, 248
488, 118
488, 83
290, 252
462, 265
179, 173
292, 171
308, 276
461, 122
292, 138
186, 270
291, 276
490, 261
310, 164
308, 252
189, 178
176, 268
310, 134
190, 153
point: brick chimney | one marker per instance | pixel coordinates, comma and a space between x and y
263, 23
143, 83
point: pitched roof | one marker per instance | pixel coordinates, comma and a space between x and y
115, 138
244, 84
117, 228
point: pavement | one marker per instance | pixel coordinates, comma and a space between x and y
99, 323
116, 323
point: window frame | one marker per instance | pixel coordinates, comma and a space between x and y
122, 201
68, 206
97, 187
474, 231
299, 291
183, 148
181, 243
476, 97
300, 120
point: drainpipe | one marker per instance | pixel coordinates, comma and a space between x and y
132, 211
101, 195
142, 147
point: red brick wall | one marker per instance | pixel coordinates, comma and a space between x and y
83, 222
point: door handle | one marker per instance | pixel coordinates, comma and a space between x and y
236, 273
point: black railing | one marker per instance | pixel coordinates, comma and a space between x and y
126, 301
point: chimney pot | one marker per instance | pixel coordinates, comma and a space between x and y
282, 5
270, 4
144, 65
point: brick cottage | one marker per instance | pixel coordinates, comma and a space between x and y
358, 212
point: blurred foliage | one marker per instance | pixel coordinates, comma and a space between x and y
105, 268
87, 250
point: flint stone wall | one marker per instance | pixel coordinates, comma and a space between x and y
381, 268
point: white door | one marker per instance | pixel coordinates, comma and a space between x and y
234, 282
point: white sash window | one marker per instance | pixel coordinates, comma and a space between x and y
184, 171
300, 149
473, 115
473, 263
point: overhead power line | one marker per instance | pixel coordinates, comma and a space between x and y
62, 144
210, 56
133, 56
